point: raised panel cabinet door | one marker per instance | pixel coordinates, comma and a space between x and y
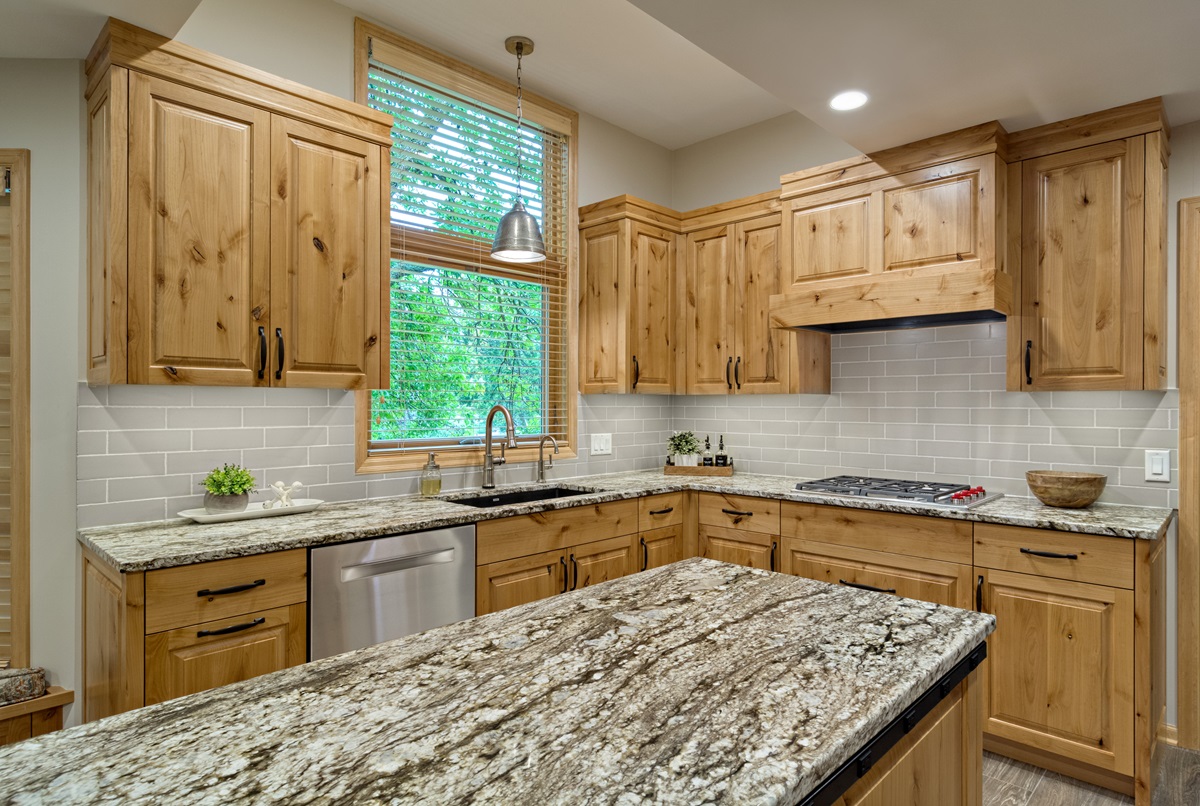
933, 218
762, 354
911, 577
199, 236
217, 653
603, 308
709, 311
599, 561
327, 276
658, 547
652, 266
826, 240
509, 583
735, 546
1082, 258
1060, 667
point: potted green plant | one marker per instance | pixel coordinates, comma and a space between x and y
684, 448
227, 489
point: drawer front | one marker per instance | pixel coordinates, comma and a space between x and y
657, 511
1081, 558
740, 512
739, 547
895, 533
191, 594
522, 535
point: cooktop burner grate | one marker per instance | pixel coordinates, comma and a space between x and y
960, 496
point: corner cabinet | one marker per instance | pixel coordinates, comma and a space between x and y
237, 231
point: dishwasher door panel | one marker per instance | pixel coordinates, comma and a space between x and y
375, 590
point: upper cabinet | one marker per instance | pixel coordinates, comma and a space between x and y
237, 227
1092, 253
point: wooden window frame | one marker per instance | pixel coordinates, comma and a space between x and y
462, 78
17, 160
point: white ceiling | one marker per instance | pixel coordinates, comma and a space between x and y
699, 68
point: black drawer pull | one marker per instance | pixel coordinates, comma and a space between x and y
865, 587
262, 351
662, 511
258, 583
1028, 363
234, 628
979, 594
735, 512
774, 546
645, 553
575, 572
1050, 554
279, 343
637, 372
566, 575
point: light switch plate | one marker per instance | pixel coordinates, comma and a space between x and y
1158, 465
601, 445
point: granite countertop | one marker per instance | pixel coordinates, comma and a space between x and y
164, 544
695, 682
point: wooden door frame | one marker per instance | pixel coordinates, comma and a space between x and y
1187, 569
17, 161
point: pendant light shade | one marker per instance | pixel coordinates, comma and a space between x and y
518, 237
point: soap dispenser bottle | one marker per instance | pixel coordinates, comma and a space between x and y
431, 477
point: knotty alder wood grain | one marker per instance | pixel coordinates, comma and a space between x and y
710, 312
506, 538
762, 353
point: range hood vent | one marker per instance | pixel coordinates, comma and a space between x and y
910, 322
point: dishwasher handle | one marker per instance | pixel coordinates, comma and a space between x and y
390, 566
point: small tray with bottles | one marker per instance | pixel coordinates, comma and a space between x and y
699, 470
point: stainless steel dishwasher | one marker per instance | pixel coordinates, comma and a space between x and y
375, 590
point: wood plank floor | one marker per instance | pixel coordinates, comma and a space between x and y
1011, 783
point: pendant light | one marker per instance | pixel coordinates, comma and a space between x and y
518, 238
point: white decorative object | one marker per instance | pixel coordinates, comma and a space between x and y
297, 507
283, 495
686, 459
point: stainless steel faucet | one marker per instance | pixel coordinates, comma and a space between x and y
542, 463
510, 441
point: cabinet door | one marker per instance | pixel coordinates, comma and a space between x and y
509, 583
739, 547
1060, 667
216, 653
709, 312
652, 356
599, 561
326, 272
912, 577
603, 308
658, 547
762, 354
199, 236
1082, 258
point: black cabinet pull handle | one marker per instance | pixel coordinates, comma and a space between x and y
662, 511
258, 583
735, 512
262, 351
234, 628
565, 574
575, 572
637, 372
279, 343
865, 587
774, 545
728, 364
737, 372
645, 553
1029, 362
1050, 554
979, 594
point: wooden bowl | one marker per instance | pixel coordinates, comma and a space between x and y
1060, 488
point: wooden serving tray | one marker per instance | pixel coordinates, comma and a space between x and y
712, 470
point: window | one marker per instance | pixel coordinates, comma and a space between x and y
467, 332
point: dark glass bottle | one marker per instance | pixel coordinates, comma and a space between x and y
706, 458
722, 458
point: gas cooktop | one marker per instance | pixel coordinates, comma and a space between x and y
937, 494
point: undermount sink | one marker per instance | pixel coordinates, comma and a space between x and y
494, 499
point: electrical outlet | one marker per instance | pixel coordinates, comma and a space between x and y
1158, 465
601, 444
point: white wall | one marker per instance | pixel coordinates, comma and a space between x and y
613, 162
41, 108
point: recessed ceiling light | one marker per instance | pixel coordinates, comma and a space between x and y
851, 99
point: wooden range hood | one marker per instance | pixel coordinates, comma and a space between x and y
912, 236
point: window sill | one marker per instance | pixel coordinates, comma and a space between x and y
390, 462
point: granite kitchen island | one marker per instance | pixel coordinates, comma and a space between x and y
696, 682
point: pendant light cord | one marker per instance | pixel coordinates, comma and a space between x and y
520, 50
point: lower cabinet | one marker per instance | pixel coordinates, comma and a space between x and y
911, 577
739, 547
739, 529
658, 547
508, 583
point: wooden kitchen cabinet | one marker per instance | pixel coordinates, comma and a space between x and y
155, 635
238, 231
1093, 298
626, 313
898, 574
599, 561
739, 529
508, 583
661, 538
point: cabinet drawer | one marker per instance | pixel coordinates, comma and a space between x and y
740, 512
521, 535
895, 533
1087, 558
657, 511
191, 594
